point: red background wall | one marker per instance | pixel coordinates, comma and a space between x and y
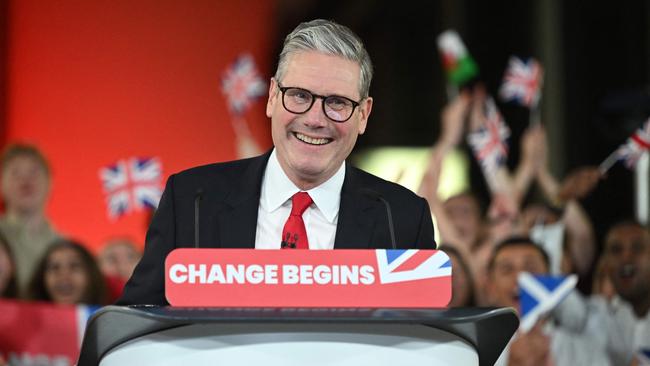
93, 82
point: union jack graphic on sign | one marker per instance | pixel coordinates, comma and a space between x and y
635, 146
242, 84
410, 265
132, 184
522, 82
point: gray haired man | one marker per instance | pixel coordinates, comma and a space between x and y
301, 194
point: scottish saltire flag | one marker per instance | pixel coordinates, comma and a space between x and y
131, 185
410, 265
242, 84
643, 357
635, 146
522, 82
539, 294
458, 63
489, 142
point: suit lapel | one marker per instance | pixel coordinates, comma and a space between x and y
238, 220
356, 214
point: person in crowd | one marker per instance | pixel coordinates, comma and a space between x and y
459, 219
318, 104
560, 223
25, 187
68, 274
462, 283
545, 343
602, 284
118, 258
621, 324
8, 286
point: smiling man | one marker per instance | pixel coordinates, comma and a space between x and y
302, 194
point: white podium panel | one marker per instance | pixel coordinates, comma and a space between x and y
295, 344
152, 335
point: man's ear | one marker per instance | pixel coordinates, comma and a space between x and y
364, 112
273, 94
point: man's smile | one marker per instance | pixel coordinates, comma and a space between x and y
311, 140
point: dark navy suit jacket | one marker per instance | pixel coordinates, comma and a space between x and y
228, 218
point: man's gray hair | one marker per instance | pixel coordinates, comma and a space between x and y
331, 38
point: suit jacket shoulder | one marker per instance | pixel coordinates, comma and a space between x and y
226, 196
368, 203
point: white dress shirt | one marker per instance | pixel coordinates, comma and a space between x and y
275, 206
566, 349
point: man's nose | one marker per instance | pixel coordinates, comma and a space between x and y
315, 116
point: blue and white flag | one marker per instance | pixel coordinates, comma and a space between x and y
538, 295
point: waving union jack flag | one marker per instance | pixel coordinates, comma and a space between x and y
489, 142
242, 84
132, 184
411, 265
635, 146
522, 82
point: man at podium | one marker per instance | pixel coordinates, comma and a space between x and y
301, 194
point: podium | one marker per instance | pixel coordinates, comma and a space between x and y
147, 335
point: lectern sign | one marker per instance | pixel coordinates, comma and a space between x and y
308, 278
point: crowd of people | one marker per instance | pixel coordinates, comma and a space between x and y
36, 262
551, 235
488, 250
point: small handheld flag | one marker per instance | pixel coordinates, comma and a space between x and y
631, 150
522, 82
458, 63
242, 84
132, 184
538, 295
489, 142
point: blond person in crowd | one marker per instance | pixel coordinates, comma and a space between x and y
25, 187
118, 258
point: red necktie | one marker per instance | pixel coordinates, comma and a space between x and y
294, 235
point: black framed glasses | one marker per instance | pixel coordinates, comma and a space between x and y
299, 101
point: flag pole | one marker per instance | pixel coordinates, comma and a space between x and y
535, 115
608, 162
452, 91
642, 186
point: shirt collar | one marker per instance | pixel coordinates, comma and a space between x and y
277, 189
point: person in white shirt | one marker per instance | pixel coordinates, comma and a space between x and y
545, 344
621, 324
